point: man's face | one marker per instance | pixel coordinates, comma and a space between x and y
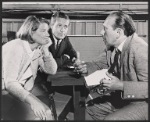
108, 33
60, 28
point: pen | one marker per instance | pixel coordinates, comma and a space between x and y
90, 97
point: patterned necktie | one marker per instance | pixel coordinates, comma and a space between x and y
115, 67
57, 46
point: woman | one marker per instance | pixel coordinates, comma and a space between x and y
22, 58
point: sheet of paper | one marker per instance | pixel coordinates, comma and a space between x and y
94, 78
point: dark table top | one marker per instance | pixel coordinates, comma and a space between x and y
66, 78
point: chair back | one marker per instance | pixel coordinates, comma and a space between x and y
11, 35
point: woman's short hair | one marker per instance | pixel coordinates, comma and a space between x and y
56, 15
124, 21
30, 25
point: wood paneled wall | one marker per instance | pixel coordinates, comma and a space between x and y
89, 47
83, 35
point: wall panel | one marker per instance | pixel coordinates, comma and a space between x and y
89, 47
84, 35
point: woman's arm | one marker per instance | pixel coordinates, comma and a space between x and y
47, 62
12, 59
12, 56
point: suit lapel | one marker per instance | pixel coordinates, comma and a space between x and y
126, 47
37, 54
52, 47
25, 65
123, 53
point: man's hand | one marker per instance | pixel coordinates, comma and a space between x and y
113, 83
80, 66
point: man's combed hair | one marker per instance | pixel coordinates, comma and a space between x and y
58, 14
125, 22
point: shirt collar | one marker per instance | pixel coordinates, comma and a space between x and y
121, 45
28, 49
56, 40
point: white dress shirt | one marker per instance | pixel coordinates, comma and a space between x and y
56, 41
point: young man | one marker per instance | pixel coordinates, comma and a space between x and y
129, 77
61, 48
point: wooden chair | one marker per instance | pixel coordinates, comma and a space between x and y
11, 35
62, 105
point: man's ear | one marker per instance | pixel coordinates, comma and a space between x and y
119, 32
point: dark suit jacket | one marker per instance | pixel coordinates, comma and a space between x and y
134, 67
64, 48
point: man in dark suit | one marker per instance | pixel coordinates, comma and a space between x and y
61, 48
128, 74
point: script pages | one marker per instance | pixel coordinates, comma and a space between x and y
95, 78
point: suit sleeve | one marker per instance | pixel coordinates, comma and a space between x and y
70, 50
138, 89
61, 60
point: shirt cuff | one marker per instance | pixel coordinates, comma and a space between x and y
67, 56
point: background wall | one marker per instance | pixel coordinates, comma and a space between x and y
89, 47
86, 20
84, 35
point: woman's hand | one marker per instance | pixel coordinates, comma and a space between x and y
41, 110
45, 47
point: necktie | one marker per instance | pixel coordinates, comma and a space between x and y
57, 46
115, 67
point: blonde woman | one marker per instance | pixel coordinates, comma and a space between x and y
22, 58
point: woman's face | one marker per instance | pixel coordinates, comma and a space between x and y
41, 36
